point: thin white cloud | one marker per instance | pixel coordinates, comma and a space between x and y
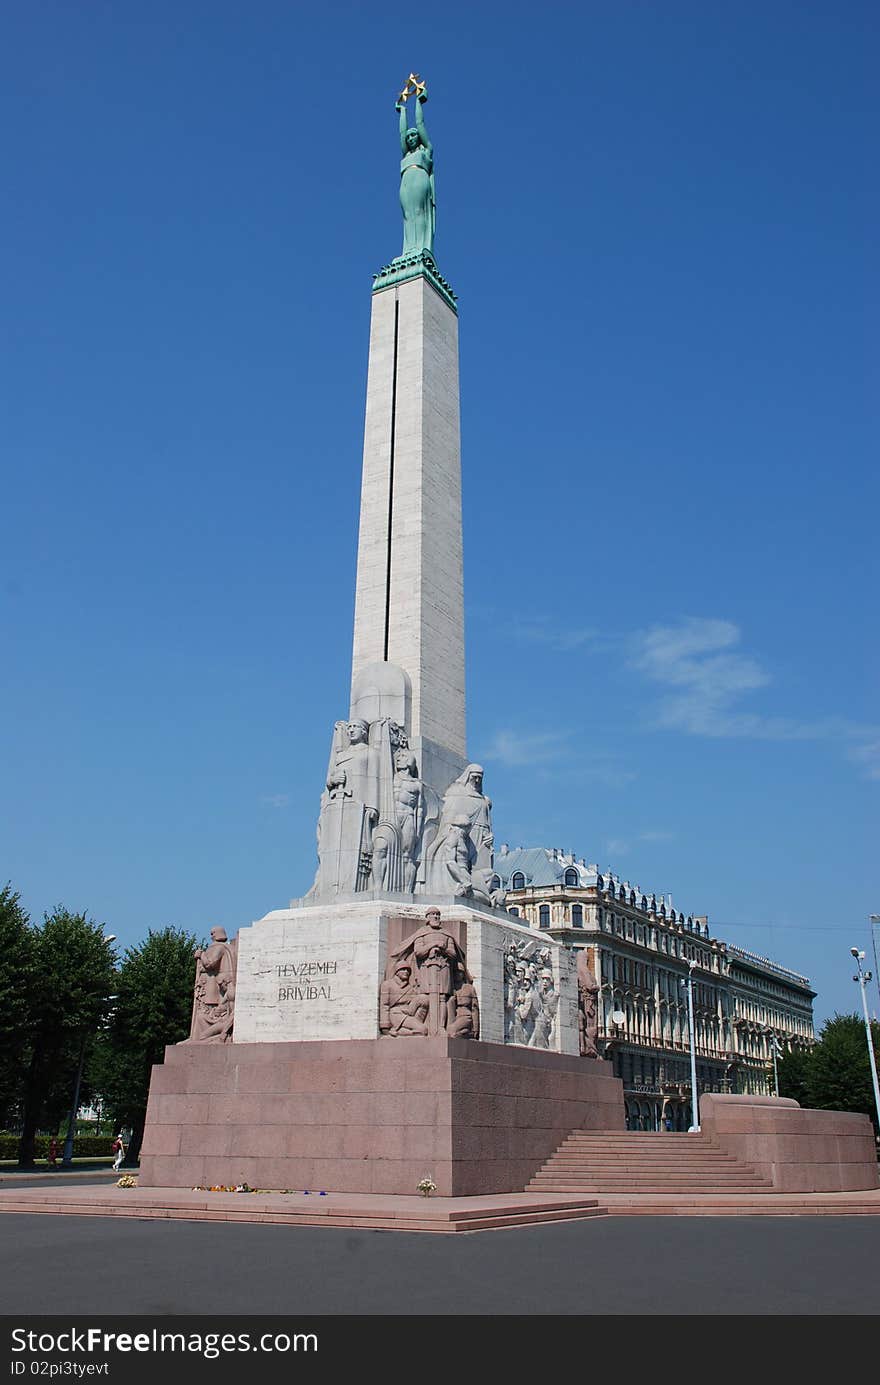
522, 748
617, 846
561, 638
697, 659
275, 800
706, 676
560, 749
621, 846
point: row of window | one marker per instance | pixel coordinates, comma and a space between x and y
571, 880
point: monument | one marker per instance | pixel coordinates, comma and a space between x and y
394, 1021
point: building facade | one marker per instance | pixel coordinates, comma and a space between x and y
639, 948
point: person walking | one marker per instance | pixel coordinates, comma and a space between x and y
119, 1149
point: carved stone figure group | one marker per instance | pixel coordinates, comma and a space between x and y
531, 1000
214, 997
427, 987
382, 828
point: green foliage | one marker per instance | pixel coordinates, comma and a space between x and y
58, 985
836, 1074
16, 977
839, 1076
84, 1146
792, 1069
70, 983
154, 988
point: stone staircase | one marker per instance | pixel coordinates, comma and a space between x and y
636, 1163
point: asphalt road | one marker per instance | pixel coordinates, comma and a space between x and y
615, 1265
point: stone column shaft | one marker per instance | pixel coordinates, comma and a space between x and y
409, 604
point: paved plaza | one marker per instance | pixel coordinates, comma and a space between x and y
656, 1265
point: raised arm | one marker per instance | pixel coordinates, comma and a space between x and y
420, 123
403, 125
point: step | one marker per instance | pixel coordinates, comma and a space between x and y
645, 1176
628, 1162
649, 1141
453, 1220
740, 1175
590, 1160
606, 1189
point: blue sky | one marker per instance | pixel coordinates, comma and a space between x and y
658, 221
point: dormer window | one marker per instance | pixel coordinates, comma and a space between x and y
517, 880
571, 878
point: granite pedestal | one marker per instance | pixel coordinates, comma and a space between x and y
369, 1116
797, 1150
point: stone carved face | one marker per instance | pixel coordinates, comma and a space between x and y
218, 935
475, 777
413, 139
405, 760
432, 917
358, 732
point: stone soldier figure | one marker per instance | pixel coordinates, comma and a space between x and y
433, 953
402, 1007
214, 997
464, 1009
588, 1007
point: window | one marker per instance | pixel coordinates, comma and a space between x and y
577, 915
517, 880
571, 878
544, 916
514, 911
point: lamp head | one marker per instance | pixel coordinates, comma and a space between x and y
855, 952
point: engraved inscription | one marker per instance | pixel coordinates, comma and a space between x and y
309, 977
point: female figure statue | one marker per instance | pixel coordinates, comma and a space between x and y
416, 180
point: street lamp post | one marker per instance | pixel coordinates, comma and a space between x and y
695, 1099
863, 977
774, 1050
67, 1156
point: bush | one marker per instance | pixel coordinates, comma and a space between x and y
84, 1146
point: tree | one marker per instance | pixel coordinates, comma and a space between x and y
16, 978
71, 982
792, 1069
839, 1073
154, 991
835, 1074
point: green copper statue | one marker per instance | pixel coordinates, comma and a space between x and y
416, 174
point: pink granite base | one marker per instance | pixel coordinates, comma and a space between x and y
369, 1116
797, 1150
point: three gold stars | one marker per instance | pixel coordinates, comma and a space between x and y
411, 87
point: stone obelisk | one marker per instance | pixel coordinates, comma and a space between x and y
409, 606
402, 811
